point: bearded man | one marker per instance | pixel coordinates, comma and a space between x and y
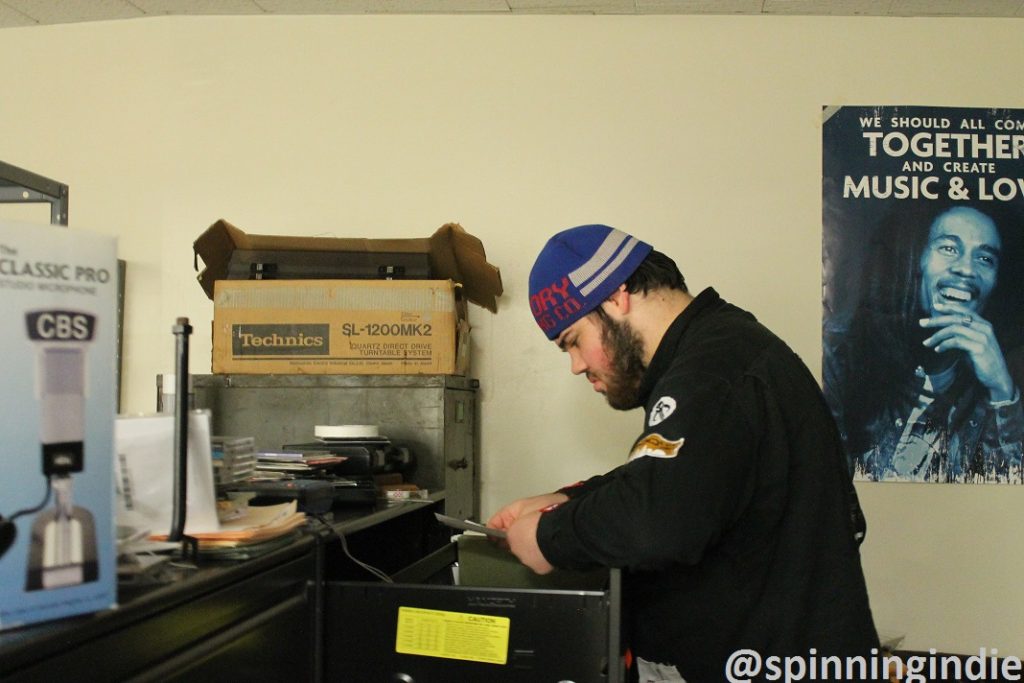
733, 518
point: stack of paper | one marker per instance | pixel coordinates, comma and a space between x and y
256, 524
297, 462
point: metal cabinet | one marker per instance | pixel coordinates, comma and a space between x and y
433, 415
234, 621
422, 628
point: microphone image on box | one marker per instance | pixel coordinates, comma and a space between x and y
62, 551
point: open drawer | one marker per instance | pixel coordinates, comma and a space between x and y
425, 629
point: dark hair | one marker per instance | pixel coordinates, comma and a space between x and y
656, 271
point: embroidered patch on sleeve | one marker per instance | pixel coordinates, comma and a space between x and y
656, 446
665, 406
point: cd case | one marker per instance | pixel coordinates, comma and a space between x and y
467, 525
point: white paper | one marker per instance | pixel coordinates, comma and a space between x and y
144, 470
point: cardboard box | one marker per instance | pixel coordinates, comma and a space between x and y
58, 298
453, 254
359, 327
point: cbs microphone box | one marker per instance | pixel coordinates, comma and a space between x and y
354, 327
58, 297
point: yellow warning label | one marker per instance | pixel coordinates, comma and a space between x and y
453, 635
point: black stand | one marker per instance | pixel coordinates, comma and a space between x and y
189, 545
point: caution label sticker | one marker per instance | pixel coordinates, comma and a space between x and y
452, 635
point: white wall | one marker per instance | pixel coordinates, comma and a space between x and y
699, 134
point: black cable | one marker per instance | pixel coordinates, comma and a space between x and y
344, 546
37, 508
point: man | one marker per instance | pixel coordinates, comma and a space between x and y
949, 408
734, 518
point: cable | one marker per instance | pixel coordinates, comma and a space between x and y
29, 511
8, 530
344, 546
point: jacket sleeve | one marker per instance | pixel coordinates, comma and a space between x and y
687, 479
582, 487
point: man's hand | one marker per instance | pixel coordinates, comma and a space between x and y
519, 520
522, 541
504, 517
960, 328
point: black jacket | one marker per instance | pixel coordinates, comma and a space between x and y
733, 516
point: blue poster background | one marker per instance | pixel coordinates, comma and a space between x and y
923, 321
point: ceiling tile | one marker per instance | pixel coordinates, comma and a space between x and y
12, 17
950, 8
189, 7
829, 7
68, 11
573, 6
444, 6
382, 6
698, 6
317, 6
31, 12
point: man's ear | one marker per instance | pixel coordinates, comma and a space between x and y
618, 303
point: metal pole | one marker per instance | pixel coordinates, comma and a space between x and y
181, 331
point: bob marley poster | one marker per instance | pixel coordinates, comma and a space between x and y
923, 351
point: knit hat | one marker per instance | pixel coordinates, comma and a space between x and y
577, 270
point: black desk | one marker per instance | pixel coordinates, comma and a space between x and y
252, 620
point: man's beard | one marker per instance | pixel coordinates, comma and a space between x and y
625, 351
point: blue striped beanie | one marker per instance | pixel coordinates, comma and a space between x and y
577, 270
